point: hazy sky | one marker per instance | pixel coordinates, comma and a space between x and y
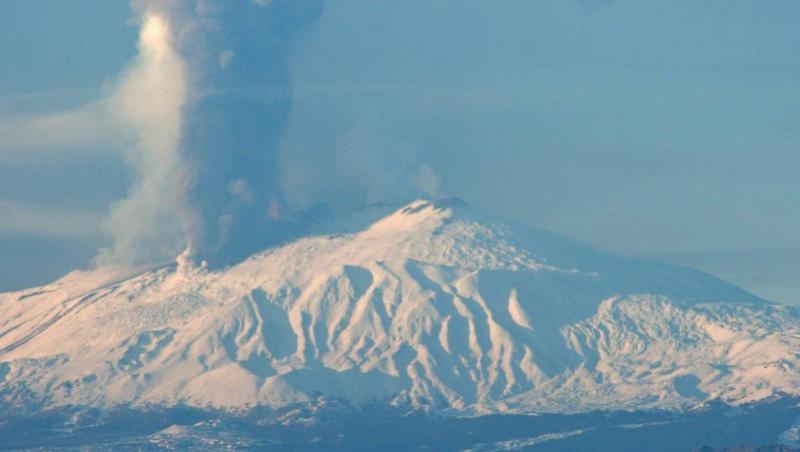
643, 127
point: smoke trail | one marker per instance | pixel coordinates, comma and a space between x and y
150, 100
237, 102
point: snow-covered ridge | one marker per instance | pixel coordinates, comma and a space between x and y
433, 305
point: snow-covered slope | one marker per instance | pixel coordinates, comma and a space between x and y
433, 306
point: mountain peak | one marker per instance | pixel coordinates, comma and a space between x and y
422, 215
441, 205
432, 306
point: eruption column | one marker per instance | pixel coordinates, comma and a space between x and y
237, 104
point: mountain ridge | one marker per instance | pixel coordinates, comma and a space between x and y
433, 305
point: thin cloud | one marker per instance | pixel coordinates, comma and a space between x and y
49, 221
89, 126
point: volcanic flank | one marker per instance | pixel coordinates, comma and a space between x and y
433, 306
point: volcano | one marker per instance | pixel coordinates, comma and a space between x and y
432, 305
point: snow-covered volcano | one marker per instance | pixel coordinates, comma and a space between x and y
433, 306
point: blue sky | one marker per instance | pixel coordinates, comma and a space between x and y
658, 128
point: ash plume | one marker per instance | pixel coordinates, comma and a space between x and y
235, 107
200, 116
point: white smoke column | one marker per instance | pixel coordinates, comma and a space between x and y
238, 99
150, 99
427, 181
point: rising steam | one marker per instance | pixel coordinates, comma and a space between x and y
199, 114
150, 99
209, 95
